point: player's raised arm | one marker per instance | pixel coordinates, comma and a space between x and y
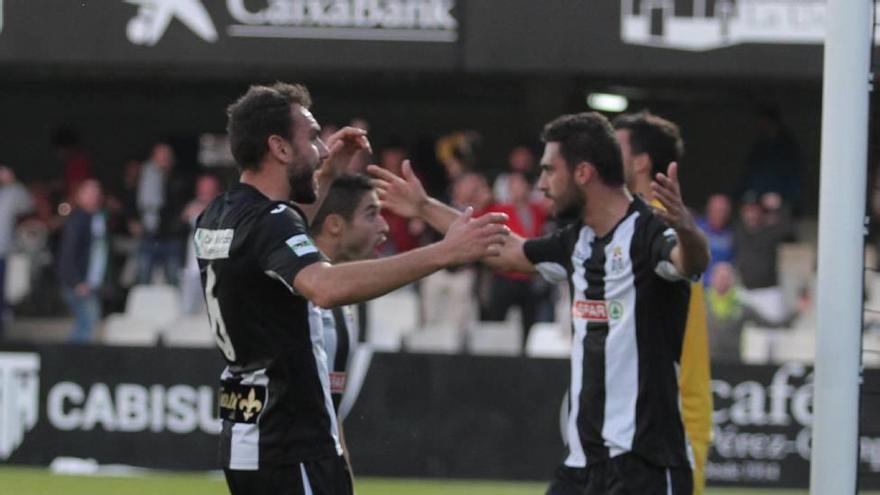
342, 146
406, 196
466, 241
691, 255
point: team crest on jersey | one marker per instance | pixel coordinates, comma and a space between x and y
302, 245
597, 311
618, 265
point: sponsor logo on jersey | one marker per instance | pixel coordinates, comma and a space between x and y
597, 311
19, 398
302, 245
241, 403
211, 244
337, 382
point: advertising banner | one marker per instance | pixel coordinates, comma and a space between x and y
412, 415
633, 38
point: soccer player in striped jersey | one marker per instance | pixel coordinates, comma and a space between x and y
629, 267
348, 227
648, 144
264, 279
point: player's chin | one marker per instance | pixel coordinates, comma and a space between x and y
377, 246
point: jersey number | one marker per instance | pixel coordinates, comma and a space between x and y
216, 318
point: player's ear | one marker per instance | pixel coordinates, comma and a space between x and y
583, 172
642, 164
334, 223
279, 148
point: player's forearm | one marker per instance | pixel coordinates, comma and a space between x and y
694, 250
349, 283
438, 215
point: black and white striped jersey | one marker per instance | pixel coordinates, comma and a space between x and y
275, 391
629, 308
340, 338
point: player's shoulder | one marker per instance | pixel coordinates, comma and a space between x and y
648, 220
281, 215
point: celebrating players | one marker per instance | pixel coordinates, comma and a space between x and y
629, 268
260, 271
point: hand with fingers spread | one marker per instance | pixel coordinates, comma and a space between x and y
470, 239
342, 146
403, 195
667, 191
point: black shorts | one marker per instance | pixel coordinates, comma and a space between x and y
568, 481
328, 476
626, 474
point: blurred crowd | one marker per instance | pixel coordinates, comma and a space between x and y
88, 241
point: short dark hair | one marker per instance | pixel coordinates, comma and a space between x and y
342, 199
587, 137
262, 112
654, 135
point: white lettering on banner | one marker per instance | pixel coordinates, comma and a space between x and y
750, 399
761, 426
131, 407
19, 398
382, 20
662, 23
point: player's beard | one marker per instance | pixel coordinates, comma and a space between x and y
571, 205
302, 185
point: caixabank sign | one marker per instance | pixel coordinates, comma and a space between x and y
347, 34
674, 38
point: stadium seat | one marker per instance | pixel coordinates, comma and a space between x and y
390, 317
435, 339
549, 340
159, 304
756, 345
503, 338
798, 346
189, 331
871, 349
18, 277
123, 330
796, 266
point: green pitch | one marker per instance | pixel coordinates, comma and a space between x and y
23, 481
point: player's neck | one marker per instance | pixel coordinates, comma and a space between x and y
329, 248
274, 188
641, 186
605, 207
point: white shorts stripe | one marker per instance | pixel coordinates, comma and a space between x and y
669, 490
307, 487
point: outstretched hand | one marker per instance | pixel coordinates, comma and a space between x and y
470, 239
667, 191
342, 146
403, 195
